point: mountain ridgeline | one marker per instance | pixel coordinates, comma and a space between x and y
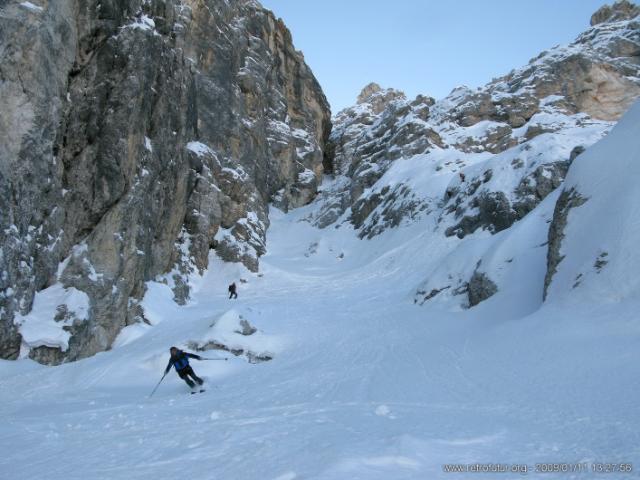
138, 136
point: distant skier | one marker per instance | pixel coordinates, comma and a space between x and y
232, 291
180, 360
462, 177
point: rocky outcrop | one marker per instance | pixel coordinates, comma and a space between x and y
568, 200
234, 334
471, 290
374, 133
135, 136
480, 288
377, 98
366, 139
495, 210
620, 10
535, 187
386, 209
596, 74
495, 214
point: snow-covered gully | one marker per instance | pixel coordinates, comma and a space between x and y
363, 382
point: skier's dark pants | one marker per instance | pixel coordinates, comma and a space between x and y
187, 372
233, 295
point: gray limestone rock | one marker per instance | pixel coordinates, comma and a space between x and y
379, 98
577, 151
620, 10
480, 288
535, 187
380, 211
568, 200
147, 132
494, 212
365, 140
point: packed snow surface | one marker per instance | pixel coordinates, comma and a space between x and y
363, 383
366, 385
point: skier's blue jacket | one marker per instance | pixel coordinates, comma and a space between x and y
180, 361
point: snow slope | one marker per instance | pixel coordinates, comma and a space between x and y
364, 384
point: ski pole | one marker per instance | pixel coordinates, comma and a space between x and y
154, 390
214, 358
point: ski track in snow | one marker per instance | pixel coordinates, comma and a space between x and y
366, 385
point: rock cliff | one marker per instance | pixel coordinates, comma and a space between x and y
136, 135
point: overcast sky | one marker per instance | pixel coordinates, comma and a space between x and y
424, 46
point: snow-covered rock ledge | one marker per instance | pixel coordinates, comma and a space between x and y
46, 330
233, 333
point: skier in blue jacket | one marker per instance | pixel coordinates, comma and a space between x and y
180, 360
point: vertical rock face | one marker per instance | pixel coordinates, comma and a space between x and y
135, 136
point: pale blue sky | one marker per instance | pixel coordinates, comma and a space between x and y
424, 46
